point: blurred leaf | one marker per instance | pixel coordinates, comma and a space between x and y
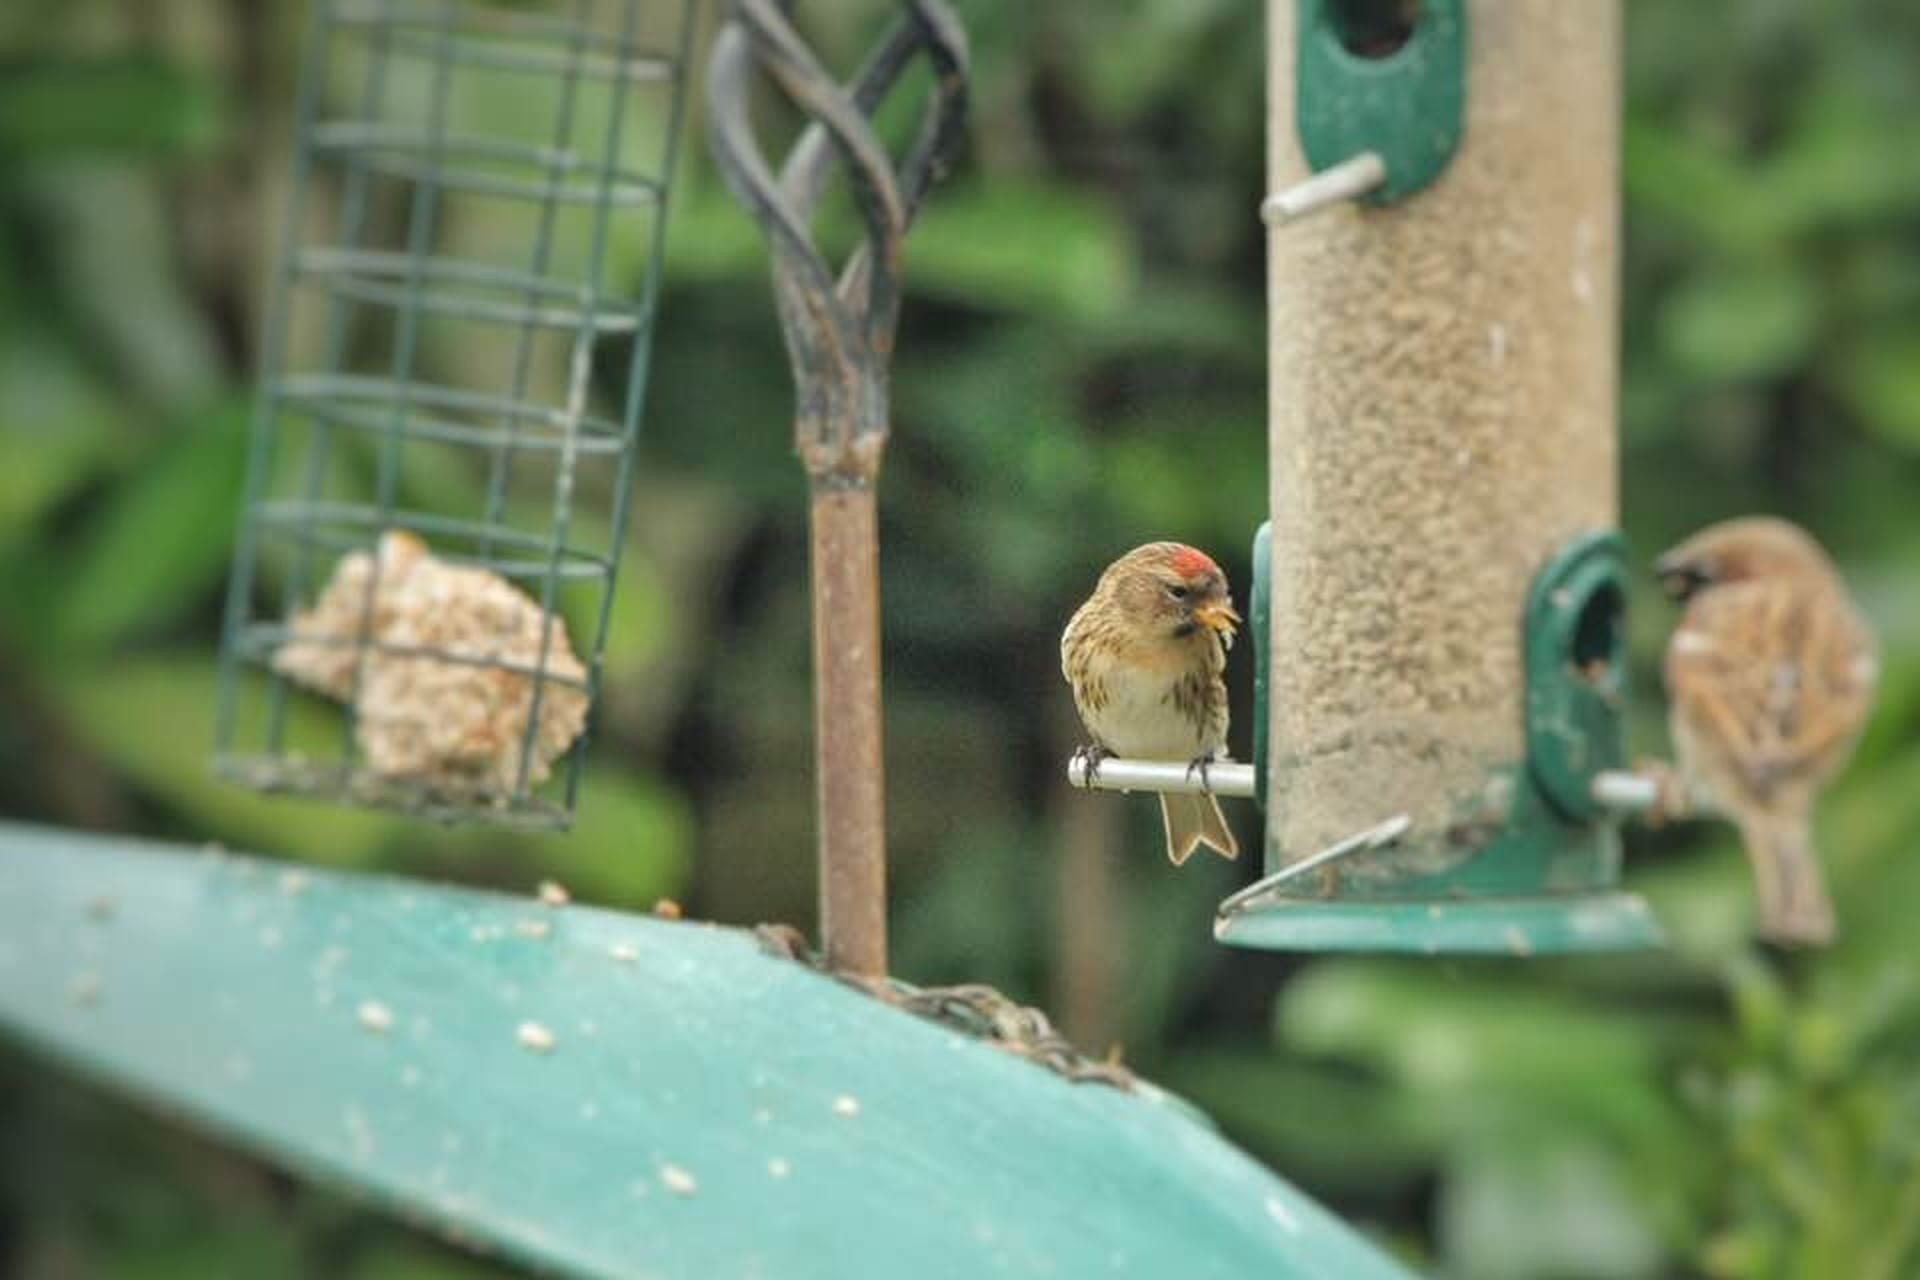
986, 875
53, 422
1546, 1208
111, 250
1866, 832
1023, 248
1702, 901
129, 105
1279, 1107
631, 842
249, 1246
164, 536
153, 717
1014, 246
419, 1262
1153, 478
1880, 379
1495, 1049
1894, 728
1163, 970
1696, 187
1205, 321
711, 237
1839, 165
1739, 323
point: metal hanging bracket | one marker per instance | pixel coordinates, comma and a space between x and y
839, 331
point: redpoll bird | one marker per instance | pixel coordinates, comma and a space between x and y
1770, 675
1145, 655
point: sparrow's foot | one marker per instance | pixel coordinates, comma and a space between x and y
1199, 766
1672, 800
1090, 755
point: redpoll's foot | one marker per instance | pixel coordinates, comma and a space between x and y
1089, 757
1199, 766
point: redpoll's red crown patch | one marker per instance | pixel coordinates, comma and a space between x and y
1189, 562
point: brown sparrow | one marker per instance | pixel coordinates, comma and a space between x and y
1770, 677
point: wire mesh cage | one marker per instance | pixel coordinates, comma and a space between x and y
453, 367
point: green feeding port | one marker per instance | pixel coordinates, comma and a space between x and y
1576, 673
1385, 76
1537, 867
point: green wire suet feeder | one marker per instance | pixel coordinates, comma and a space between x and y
453, 366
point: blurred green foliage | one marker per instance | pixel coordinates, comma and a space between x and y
1081, 368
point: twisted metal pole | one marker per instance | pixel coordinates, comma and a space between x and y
839, 336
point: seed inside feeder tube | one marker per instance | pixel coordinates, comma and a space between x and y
846, 1105
532, 928
677, 1180
554, 894
535, 1037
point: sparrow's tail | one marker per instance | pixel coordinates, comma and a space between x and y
1195, 820
1794, 907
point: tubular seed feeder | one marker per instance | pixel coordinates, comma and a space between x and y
1437, 603
463, 336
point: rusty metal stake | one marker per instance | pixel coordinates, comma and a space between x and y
839, 334
849, 780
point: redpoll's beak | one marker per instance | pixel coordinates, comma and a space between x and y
1216, 615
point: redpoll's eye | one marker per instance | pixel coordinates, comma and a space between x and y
1178, 593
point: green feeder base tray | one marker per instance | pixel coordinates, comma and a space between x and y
1603, 921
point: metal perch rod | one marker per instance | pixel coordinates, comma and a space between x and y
1226, 778
1348, 180
1624, 792
1617, 790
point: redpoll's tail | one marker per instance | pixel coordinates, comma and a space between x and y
1794, 907
1193, 821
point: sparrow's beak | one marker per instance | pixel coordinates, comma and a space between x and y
1679, 577
1216, 615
